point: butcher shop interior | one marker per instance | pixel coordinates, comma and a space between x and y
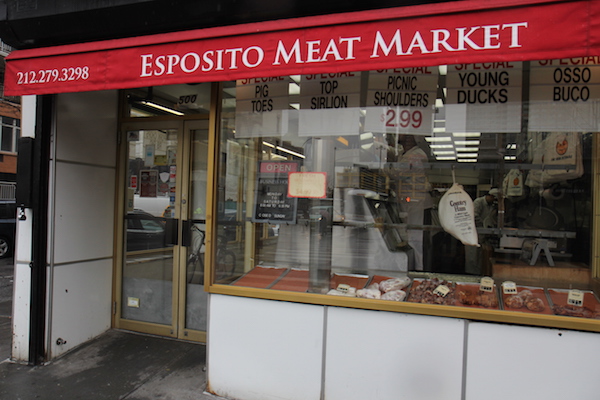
462, 185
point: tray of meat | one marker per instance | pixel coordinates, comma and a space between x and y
560, 305
387, 284
528, 299
428, 291
357, 281
385, 288
470, 295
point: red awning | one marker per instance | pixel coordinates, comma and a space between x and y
462, 32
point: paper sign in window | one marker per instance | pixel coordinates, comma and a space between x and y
484, 97
307, 184
564, 95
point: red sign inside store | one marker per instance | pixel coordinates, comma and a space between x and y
380, 39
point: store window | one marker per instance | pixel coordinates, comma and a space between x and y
462, 185
11, 131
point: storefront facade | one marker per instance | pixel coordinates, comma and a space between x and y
344, 206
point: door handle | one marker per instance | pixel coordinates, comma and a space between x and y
171, 230
186, 233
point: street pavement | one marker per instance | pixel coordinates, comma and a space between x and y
116, 365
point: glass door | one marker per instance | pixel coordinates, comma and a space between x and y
160, 280
193, 299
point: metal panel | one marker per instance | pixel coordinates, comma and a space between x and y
80, 304
84, 216
87, 127
264, 350
378, 355
507, 361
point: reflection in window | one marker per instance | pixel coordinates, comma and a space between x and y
390, 144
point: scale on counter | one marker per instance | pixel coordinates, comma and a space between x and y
533, 247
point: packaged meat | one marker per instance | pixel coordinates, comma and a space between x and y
425, 292
395, 295
525, 294
457, 215
394, 284
574, 311
487, 299
467, 297
368, 293
560, 304
527, 299
514, 301
349, 293
476, 297
535, 304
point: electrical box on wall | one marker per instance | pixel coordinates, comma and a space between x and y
25, 149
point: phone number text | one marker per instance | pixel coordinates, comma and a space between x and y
53, 75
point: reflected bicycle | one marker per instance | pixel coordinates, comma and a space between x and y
225, 259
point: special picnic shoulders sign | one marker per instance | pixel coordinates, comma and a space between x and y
376, 39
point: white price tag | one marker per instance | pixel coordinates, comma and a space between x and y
575, 298
442, 290
486, 284
509, 287
343, 287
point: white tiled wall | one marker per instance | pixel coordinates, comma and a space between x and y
261, 349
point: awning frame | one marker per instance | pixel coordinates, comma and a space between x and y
114, 64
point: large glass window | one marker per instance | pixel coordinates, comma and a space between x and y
462, 185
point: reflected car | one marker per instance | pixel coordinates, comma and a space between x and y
145, 231
8, 223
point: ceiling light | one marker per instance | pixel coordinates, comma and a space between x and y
442, 152
466, 134
443, 158
468, 155
441, 146
438, 139
467, 160
290, 152
366, 136
467, 142
159, 107
467, 149
510, 158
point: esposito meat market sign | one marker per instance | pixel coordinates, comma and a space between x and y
458, 33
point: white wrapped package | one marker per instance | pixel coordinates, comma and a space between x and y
368, 293
394, 284
394, 295
457, 215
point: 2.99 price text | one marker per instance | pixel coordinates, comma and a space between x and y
53, 75
402, 119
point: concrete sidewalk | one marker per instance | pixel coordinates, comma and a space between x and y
116, 365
